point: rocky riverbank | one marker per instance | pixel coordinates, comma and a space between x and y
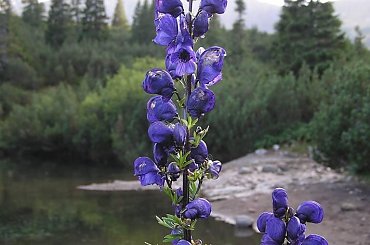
245, 186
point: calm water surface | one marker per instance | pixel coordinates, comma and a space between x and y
41, 205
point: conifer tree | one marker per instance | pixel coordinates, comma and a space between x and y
142, 27
33, 12
239, 24
5, 12
76, 11
94, 25
308, 32
58, 23
119, 17
239, 42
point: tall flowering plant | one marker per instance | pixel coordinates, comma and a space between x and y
182, 95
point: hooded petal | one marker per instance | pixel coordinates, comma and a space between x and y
158, 81
167, 30
213, 6
276, 229
279, 202
262, 219
295, 229
159, 109
144, 165
210, 66
173, 7
215, 169
310, 211
266, 240
159, 132
179, 134
160, 154
202, 100
174, 171
201, 23
315, 240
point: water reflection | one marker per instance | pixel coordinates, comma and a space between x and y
42, 206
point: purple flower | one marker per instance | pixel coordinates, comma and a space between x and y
179, 134
310, 211
213, 6
160, 132
181, 60
275, 228
147, 172
158, 81
198, 208
202, 100
193, 166
295, 230
262, 219
177, 231
210, 66
201, 23
173, 7
215, 169
183, 242
279, 202
174, 171
266, 240
160, 154
199, 153
315, 240
166, 29
159, 109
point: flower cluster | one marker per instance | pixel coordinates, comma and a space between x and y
178, 145
283, 225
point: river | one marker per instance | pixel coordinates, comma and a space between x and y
39, 204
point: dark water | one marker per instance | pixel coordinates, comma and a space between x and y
42, 206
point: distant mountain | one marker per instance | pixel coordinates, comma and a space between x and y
264, 15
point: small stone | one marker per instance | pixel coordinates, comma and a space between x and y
276, 147
270, 169
245, 170
261, 152
243, 221
347, 206
251, 210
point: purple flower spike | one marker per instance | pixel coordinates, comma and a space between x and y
315, 240
147, 172
201, 24
310, 211
213, 6
266, 240
202, 100
215, 169
159, 110
295, 229
158, 81
160, 155
279, 202
183, 242
166, 30
198, 208
159, 132
179, 134
200, 153
173, 7
210, 66
262, 219
275, 228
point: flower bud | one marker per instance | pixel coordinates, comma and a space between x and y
183, 242
213, 6
279, 202
262, 219
198, 208
160, 110
174, 171
215, 169
158, 81
201, 23
160, 155
199, 153
295, 229
310, 211
201, 100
